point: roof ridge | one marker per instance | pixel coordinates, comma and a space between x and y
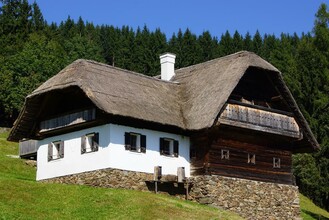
240, 53
124, 70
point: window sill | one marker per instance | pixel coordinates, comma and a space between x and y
54, 160
169, 156
89, 152
136, 152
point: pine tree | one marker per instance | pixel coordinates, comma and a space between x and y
38, 22
237, 42
208, 46
257, 43
226, 44
247, 42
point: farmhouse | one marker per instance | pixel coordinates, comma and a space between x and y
230, 125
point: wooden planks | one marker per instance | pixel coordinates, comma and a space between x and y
237, 165
68, 120
206, 157
260, 120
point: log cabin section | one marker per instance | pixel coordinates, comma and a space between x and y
253, 137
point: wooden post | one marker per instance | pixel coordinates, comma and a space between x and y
156, 177
156, 187
186, 196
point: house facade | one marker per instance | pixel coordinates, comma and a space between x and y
110, 151
230, 123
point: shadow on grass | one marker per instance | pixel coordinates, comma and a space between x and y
315, 216
171, 188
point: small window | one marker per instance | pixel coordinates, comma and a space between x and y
89, 143
135, 142
276, 162
55, 150
252, 158
169, 147
225, 155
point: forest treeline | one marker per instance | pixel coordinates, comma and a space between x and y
32, 50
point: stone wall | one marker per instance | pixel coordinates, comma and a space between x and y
250, 199
110, 178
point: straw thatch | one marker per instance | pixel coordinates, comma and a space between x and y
191, 101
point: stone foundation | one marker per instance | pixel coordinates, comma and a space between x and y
250, 199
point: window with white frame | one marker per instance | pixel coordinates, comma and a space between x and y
89, 143
252, 158
225, 154
276, 162
169, 147
55, 150
135, 142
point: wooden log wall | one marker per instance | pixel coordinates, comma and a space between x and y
237, 165
206, 159
199, 154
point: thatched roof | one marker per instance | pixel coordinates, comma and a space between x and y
191, 101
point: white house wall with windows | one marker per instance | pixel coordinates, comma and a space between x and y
73, 152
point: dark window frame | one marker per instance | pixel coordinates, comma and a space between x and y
90, 137
225, 154
251, 159
173, 151
276, 162
59, 146
130, 142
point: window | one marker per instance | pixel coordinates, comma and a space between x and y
252, 158
55, 150
276, 162
169, 147
135, 142
89, 143
225, 154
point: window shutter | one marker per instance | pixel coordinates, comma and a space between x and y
161, 146
95, 142
176, 151
143, 143
61, 149
83, 144
127, 141
50, 151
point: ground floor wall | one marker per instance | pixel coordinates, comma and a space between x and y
111, 152
251, 199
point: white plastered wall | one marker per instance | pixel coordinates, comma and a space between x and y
111, 153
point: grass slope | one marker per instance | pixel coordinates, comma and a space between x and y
23, 198
311, 211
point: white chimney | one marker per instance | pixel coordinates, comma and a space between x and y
167, 61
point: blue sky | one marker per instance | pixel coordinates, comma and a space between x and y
267, 16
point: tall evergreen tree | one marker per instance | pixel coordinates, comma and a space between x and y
226, 45
208, 46
38, 22
257, 43
247, 42
237, 42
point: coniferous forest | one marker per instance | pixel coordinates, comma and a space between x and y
32, 50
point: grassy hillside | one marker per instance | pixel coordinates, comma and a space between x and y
23, 198
311, 211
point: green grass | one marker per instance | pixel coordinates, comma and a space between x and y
21, 197
310, 210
